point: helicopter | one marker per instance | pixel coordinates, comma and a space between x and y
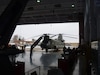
49, 43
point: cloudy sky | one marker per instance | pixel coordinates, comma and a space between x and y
32, 30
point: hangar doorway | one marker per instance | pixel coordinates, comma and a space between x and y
31, 32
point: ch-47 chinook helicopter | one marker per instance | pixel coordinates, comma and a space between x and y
49, 43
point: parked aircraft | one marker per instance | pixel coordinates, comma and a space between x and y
49, 43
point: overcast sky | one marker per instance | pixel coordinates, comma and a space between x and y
32, 30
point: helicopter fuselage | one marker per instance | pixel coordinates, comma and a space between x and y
52, 44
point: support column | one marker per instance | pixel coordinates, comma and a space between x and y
97, 5
98, 33
85, 53
91, 30
81, 29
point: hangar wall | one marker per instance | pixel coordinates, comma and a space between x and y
91, 35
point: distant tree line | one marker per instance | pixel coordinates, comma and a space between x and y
16, 38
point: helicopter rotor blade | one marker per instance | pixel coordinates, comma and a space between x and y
53, 36
69, 34
71, 37
38, 35
36, 42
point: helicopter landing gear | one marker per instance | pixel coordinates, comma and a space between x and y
46, 50
55, 49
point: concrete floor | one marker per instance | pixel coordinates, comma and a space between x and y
41, 62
